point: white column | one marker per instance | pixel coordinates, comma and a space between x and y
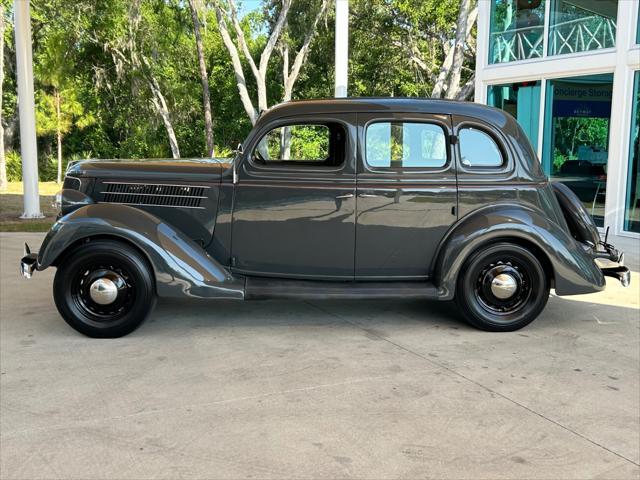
620, 121
28, 148
342, 47
482, 51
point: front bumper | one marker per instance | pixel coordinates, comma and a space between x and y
611, 263
28, 263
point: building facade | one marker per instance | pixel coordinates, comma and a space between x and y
569, 71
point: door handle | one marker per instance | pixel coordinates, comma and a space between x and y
367, 195
348, 195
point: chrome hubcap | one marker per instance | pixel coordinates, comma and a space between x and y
103, 291
504, 286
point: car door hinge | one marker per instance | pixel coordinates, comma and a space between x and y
233, 261
453, 139
453, 211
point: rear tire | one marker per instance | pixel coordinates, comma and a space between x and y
104, 289
502, 288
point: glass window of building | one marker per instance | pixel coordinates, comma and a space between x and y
638, 27
522, 100
576, 137
632, 204
582, 25
517, 30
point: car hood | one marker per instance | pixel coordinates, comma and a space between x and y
206, 170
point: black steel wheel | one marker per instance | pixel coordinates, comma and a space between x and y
502, 288
104, 289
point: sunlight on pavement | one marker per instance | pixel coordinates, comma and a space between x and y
615, 294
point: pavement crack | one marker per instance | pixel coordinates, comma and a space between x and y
373, 332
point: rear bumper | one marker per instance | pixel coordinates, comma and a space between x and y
28, 263
611, 263
620, 272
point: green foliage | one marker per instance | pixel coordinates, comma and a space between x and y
14, 166
306, 142
86, 50
572, 132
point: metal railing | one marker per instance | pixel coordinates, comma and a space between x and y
578, 35
582, 34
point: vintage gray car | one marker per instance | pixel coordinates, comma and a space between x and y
341, 198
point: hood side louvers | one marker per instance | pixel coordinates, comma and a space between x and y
152, 194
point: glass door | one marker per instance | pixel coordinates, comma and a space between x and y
576, 137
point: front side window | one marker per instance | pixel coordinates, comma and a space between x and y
478, 149
300, 144
405, 145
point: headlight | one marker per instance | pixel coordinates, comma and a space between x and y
57, 202
66, 201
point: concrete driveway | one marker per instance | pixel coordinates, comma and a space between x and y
336, 389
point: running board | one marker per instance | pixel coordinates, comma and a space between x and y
262, 288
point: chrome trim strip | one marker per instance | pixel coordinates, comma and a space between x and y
155, 184
152, 205
151, 194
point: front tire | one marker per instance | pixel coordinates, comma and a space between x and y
104, 289
502, 288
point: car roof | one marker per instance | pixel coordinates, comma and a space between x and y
330, 106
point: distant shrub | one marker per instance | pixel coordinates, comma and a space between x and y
14, 166
223, 152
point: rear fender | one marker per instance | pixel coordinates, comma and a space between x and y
574, 270
181, 267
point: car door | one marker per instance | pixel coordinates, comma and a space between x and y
294, 205
406, 193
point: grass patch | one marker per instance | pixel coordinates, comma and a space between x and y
26, 226
45, 188
11, 207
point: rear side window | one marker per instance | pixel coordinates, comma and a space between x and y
478, 149
405, 145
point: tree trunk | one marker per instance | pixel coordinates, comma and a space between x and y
237, 65
458, 52
141, 63
56, 94
291, 77
259, 71
160, 104
285, 143
285, 132
454, 57
3, 160
204, 79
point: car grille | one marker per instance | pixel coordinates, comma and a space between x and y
159, 195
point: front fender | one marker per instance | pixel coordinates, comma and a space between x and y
181, 267
574, 270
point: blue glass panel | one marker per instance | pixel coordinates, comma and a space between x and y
522, 100
517, 30
632, 203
